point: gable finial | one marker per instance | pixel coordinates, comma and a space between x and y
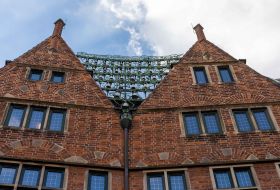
59, 24
199, 32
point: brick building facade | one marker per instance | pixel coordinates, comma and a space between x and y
212, 123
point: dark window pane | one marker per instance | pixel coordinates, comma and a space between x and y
7, 174
53, 178
155, 182
58, 77
211, 122
261, 117
56, 120
223, 179
35, 74
225, 74
200, 76
15, 116
192, 124
244, 177
36, 118
98, 181
242, 121
30, 176
177, 181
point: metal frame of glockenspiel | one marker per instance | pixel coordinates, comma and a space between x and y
127, 79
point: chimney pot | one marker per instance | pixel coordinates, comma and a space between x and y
199, 32
59, 24
7, 62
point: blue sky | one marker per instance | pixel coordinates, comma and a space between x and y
246, 29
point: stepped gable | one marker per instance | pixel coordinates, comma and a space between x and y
179, 89
53, 54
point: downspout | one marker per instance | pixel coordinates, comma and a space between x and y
126, 119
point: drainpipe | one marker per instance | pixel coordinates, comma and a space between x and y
126, 119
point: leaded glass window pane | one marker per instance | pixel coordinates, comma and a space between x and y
211, 122
15, 116
223, 179
53, 178
192, 124
57, 77
35, 74
56, 120
98, 181
200, 76
36, 118
225, 74
30, 176
7, 174
155, 182
261, 117
244, 177
177, 181
242, 120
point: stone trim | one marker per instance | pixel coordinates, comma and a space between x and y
203, 130
42, 173
27, 112
251, 117
97, 170
277, 165
165, 173
235, 79
206, 68
231, 167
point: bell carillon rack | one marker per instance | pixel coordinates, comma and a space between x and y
127, 79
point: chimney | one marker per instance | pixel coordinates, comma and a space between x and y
58, 27
199, 32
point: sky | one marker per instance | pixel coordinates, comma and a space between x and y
245, 29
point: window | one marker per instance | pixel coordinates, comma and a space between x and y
56, 120
29, 176
8, 174
15, 116
35, 74
233, 177
197, 123
225, 74
192, 124
57, 77
98, 180
176, 180
211, 122
53, 178
263, 120
156, 182
242, 120
253, 119
36, 118
200, 75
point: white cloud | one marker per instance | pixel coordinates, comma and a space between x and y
129, 15
245, 29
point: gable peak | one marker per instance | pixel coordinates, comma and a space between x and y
58, 27
199, 32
